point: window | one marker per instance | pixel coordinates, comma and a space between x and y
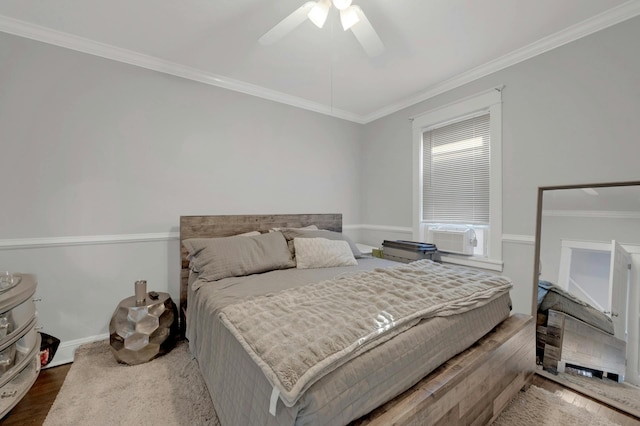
458, 180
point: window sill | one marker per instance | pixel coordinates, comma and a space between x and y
476, 262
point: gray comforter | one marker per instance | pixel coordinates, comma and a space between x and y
241, 393
333, 321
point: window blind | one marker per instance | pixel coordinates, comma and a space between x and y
456, 166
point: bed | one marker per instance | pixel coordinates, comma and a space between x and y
573, 334
402, 379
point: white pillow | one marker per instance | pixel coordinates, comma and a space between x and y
322, 253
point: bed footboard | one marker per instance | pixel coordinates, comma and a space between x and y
473, 387
571, 341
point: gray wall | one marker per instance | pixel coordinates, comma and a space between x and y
569, 116
94, 148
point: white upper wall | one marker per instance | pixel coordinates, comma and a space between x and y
569, 116
92, 147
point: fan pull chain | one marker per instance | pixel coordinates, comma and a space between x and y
331, 57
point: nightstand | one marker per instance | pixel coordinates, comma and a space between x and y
142, 331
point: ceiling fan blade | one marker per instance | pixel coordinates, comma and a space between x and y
287, 25
366, 35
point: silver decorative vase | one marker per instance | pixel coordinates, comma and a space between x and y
141, 291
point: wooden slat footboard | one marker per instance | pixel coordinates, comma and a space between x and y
471, 388
571, 341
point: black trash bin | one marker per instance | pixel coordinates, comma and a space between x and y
48, 347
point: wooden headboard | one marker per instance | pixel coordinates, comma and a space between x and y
227, 225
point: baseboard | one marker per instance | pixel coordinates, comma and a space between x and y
67, 350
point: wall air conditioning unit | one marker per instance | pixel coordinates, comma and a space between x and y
453, 240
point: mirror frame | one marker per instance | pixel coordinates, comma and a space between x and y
536, 260
536, 265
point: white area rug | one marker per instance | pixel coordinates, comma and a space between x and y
170, 391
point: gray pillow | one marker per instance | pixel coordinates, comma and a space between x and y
237, 256
291, 233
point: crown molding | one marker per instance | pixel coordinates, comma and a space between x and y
32, 31
592, 25
594, 214
631, 248
91, 47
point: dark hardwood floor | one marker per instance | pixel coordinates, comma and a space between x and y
33, 408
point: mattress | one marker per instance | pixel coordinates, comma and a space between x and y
553, 297
241, 393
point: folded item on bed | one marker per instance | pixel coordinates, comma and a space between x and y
550, 296
299, 335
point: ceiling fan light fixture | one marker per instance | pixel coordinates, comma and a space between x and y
342, 4
319, 12
349, 17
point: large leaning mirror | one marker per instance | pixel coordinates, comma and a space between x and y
587, 290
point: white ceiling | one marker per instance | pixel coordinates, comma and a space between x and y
431, 46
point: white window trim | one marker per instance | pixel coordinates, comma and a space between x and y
491, 101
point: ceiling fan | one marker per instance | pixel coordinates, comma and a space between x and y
351, 16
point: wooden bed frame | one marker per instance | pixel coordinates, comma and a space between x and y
471, 388
568, 340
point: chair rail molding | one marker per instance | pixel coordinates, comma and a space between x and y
380, 228
22, 243
518, 239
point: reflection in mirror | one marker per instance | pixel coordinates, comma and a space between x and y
587, 290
